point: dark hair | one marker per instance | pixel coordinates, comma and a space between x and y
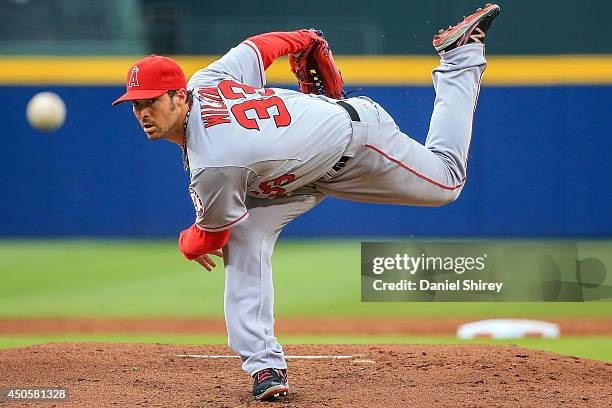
172, 92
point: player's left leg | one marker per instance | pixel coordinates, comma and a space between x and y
393, 168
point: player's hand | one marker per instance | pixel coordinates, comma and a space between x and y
206, 261
315, 68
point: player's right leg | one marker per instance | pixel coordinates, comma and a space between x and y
249, 293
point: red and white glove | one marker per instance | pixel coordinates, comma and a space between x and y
315, 68
310, 58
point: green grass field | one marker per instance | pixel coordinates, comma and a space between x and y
128, 278
150, 278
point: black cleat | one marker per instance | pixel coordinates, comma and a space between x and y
471, 30
270, 383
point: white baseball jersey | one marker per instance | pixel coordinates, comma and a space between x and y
244, 139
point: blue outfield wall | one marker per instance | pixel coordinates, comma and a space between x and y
539, 167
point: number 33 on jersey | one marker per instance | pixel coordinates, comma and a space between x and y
247, 140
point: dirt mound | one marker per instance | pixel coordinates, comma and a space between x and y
124, 375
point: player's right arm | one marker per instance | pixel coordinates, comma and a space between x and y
247, 62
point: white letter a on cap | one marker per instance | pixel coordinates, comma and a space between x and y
134, 77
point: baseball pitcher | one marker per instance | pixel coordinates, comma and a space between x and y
259, 157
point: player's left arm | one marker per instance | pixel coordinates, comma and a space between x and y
218, 196
197, 245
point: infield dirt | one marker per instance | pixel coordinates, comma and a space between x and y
130, 375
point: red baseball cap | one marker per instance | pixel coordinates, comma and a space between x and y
151, 77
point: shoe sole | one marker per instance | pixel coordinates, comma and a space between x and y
273, 392
447, 38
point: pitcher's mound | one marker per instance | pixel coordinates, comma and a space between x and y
353, 376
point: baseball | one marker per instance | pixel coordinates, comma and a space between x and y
46, 111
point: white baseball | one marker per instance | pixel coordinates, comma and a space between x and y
46, 111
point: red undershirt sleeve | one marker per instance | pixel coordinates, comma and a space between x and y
276, 44
194, 242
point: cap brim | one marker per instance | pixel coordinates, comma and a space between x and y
140, 94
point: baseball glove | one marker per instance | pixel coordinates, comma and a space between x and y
315, 68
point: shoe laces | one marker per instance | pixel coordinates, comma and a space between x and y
478, 36
263, 375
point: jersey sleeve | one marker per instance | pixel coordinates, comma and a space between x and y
275, 44
242, 63
218, 196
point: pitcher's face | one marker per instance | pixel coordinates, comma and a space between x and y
157, 116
